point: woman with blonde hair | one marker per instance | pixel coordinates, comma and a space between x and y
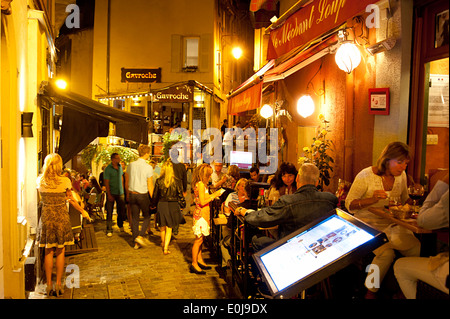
201, 215
168, 196
54, 230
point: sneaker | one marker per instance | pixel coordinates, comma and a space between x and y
137, 246
109, 234
141, 241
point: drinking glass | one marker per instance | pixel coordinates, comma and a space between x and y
415, 192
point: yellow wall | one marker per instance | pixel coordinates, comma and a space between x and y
23, 68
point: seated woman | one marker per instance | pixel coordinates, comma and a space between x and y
94, 194
239, 197
283, 183
371, 188
231, 178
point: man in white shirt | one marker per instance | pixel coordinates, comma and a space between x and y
433, 270
140, 188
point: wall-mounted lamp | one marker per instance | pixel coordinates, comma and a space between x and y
237, 53
61, 84
347, 56
27, 119
305, 106
266, 111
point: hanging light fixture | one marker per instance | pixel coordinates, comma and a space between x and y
305, 106
266, 111
347, 56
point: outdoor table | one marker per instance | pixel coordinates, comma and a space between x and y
409, 223
428, 238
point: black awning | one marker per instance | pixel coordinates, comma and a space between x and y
85, 119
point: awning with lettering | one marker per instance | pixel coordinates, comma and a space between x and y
246, 96
85, 119
249, 99
301, 60
309, 23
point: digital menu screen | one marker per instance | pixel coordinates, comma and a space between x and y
311, 250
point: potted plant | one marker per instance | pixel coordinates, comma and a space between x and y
318, 152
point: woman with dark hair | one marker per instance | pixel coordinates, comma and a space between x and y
372, 187
283, 183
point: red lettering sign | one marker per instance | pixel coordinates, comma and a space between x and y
310, 22
248, 100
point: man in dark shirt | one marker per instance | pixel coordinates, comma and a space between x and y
292, 212
115, 193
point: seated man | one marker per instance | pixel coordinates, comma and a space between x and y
294, 211
434, 214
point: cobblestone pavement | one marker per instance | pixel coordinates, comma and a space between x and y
117, 271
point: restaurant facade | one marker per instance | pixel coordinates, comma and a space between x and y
381, 99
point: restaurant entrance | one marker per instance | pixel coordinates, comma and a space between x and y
429, 112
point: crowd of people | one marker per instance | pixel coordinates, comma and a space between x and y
292, 201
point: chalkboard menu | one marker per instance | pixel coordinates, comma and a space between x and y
199, 113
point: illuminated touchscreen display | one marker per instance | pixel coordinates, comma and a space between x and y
313, 249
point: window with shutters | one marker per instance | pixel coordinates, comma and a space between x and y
191, 53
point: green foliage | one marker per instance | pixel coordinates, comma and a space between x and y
102, 153
168, 141
317, 153
127, 155
88, 154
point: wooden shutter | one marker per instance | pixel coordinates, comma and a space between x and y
176, 53
205, 53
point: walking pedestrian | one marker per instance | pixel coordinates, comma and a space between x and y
201, 215
170, 200
115, 193
140, 189
54, 229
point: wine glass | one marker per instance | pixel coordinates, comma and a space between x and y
415, 192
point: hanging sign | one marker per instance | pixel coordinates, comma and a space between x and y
181, 93
141, 75
310, 22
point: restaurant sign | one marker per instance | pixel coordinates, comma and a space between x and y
141, 75
310, 22
250, 99
182, 93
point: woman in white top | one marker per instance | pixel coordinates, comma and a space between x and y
54, 229
372, 188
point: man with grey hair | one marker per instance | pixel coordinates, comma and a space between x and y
291, 212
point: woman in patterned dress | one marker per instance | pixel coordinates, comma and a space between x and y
201, 215
54, 230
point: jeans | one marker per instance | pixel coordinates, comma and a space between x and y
139, 202
120, 205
